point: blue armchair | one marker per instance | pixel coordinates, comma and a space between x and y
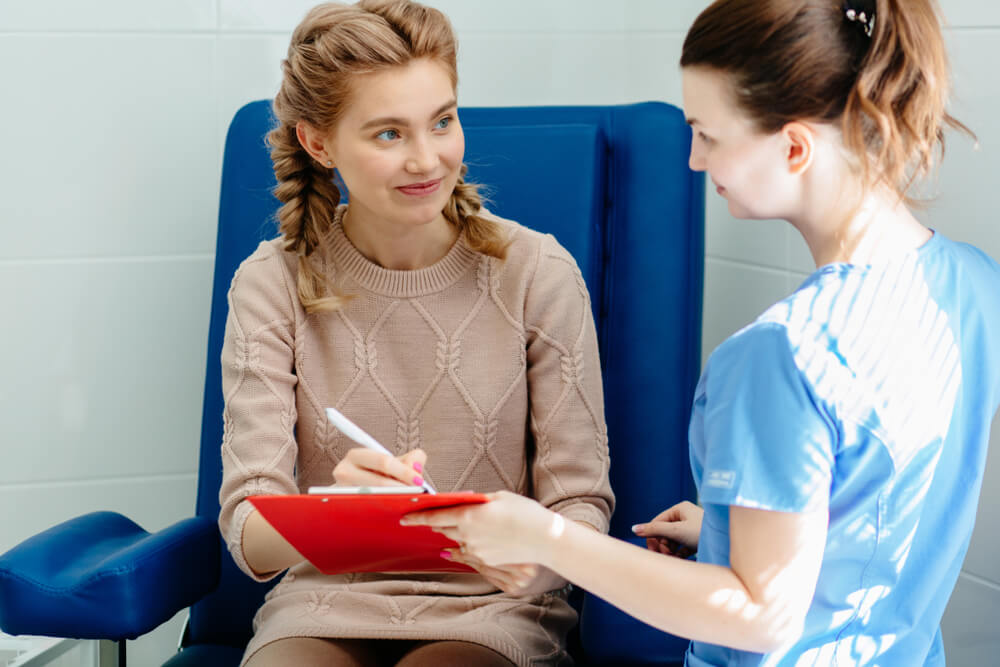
612, 184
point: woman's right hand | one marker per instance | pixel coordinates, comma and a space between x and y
365, 467
673, 532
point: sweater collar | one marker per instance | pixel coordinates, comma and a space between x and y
396, 283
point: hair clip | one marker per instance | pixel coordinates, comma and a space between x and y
867, 21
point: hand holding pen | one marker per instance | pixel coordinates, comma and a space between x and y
374, 465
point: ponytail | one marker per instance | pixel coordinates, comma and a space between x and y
896, 112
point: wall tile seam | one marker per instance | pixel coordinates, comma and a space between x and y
224, 30
742, 264
980, 580
6, 262
137, 32
115, 480
971, 28
265, 32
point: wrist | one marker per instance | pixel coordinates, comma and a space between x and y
552, 542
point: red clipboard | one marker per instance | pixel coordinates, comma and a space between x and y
342, 533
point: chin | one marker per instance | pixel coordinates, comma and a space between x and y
739, 212
422, 214
743, 213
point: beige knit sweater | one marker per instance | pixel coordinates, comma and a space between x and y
490, 366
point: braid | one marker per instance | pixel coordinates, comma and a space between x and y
309, 198
463, 210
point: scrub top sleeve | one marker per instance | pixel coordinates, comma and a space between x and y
769, 443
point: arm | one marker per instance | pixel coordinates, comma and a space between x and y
265, 550
757, 604
570, 466
258, 383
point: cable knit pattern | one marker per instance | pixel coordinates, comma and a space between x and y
490, 366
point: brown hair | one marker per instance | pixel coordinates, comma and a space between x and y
883, 76
332, 45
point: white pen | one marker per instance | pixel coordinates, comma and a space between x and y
358, 435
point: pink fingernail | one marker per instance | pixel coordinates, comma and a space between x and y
418, 466
445, 554
418, 481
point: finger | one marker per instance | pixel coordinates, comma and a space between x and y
449, 532
416, 459
348, 474
516, 570
530, 570
509, 580
656, 545
496, 576
385, 466
502, 495
453, 555
449, 517
672, 530
674, 512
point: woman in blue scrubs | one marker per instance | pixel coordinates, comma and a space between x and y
838, 442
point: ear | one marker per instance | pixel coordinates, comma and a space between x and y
800, 147
313, 141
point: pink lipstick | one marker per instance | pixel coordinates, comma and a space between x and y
420, 189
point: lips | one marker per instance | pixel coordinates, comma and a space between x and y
420, 189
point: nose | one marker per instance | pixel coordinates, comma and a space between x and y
423, 158
696, 160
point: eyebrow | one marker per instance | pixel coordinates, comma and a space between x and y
692, 121
392, 120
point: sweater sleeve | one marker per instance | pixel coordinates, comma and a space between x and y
570, 467
258, 384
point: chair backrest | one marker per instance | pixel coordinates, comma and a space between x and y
612, 184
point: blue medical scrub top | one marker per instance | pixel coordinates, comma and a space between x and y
869, 390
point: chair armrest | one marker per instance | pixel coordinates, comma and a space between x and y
101, 576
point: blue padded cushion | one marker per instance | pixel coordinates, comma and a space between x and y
567, 166
101, 576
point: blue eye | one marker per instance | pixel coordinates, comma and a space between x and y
443, 123
387, 135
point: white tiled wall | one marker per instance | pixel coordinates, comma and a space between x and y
112, 123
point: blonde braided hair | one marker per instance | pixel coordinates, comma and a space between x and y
332, 45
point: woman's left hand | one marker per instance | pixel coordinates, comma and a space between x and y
524, 579
508, 530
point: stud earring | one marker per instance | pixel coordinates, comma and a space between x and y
329, 163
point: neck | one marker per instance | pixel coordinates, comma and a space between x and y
878, 230
397, 246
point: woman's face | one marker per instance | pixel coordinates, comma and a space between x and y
399, 145
748, 168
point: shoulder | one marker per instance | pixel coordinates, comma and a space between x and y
267, 259
266, 276
777, 345
529, 250
983, 269
761, 343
